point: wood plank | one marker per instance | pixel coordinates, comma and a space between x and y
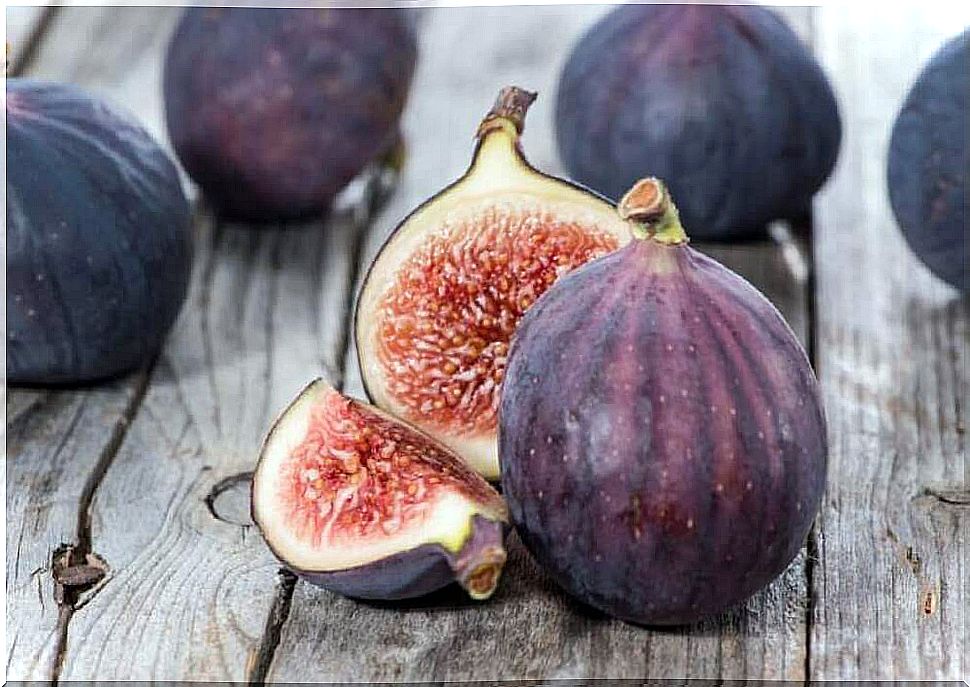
194, 591
60, 441
190, 593
529, 630
114, 52
25, 27
892, 583
55, 443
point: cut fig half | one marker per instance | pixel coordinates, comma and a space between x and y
360, 503
448, 288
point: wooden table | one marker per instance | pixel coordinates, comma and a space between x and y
150, 472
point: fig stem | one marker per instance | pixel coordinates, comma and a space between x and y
479, 564
647, 206
510, 107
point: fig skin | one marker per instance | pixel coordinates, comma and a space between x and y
472, 554
99, 238
498, 176
418, 571
666, 458
928, 163
273, 111
707, 97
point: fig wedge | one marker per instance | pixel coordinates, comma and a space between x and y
357, 502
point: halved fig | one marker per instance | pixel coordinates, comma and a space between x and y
361, 504
447, 290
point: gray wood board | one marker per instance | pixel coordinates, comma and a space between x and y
191, 589
59, 441
55, 443
891, 587
25, 27
529, 630
188, 594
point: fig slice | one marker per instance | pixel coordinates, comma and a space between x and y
446, 291
359, 503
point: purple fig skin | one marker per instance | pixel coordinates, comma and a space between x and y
707, 96
665, 457
419, 571
273, 111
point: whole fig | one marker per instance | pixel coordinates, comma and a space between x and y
928, 163
666, 457
273, 111
723, 101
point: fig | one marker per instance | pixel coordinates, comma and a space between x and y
359, 503
928, 163
709, 97
446, 291
665, 459
99, 239
273, 111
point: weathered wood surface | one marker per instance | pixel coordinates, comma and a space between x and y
529, 626
150, 472
58, 442
187, 594
25, 26
891, 588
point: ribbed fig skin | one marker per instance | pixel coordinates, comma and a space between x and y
928, 163
273, 111
99, 237
723, 101
409, 574
662, 439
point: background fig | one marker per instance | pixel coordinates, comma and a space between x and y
665, 459
366, 506
99, 245
928, 163
446, 291
273, 111
722, 100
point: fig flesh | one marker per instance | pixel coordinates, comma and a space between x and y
664, 460
446, 291
361, 504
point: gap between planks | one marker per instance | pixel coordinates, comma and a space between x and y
374, 187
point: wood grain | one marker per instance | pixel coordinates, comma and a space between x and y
59, 442
190, 592
529, 630
25, 29
892, 584
116, 53
56, 443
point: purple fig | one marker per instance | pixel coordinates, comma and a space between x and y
359, 503
661, 435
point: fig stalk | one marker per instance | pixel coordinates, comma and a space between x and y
510, 107
651, 212
479, 564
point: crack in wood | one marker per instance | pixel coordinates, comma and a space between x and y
28, 49
224, 501
71, 563
357, 206
261, 659
952, 496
